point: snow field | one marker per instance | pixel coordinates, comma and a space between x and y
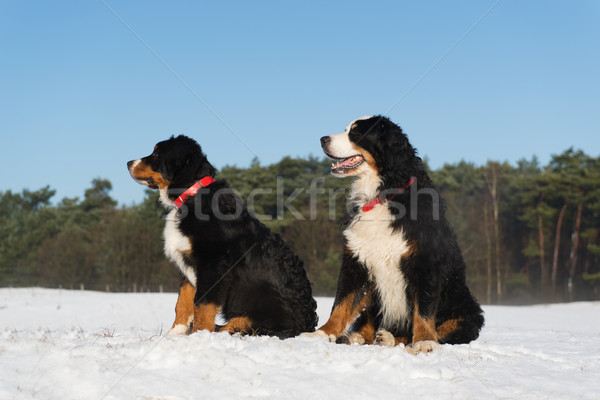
58, 344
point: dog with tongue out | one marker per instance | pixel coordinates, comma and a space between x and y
402, 278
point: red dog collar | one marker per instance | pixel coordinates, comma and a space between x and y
192, 190
371, 204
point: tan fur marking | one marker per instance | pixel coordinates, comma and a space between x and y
343, 314
367, 331
184, 308
423, 329
143, 171
402, 339
204, 317
237, 324
448, 327
368, 157
411, 249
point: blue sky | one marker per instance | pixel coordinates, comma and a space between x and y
87, 86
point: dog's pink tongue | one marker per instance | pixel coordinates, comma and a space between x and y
348, 162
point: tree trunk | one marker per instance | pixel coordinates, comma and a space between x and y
488, 241
543, 270
497, 238
575, 248
493, 188
557, 245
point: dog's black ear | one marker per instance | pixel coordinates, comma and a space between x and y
398, 156
191, 167
200, 166
171, 167
206, 169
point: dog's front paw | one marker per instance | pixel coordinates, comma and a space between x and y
319, 334
384, 338
424, 346
178, 329
351, 338
356, 338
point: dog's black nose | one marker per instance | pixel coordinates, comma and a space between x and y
325, 140
129, 164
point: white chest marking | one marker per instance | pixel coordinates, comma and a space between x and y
373, 242
176, 245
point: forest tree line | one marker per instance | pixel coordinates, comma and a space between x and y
528, 233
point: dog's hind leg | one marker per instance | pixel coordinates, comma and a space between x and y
237, 324
460, 330
352, 298
462, 323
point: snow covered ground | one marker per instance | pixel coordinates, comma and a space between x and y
58, 344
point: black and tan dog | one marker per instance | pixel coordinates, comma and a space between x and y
402, 278
231, 264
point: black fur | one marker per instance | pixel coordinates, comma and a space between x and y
239, 263
435, 272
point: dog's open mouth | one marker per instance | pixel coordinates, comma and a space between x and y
342, 166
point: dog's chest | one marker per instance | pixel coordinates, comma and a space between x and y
177, 245
371, 239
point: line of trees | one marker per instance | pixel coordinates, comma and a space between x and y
528, 233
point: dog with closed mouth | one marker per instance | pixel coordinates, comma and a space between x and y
402, 278
230, 263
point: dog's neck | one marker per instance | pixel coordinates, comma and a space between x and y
365, 188
164, 198
191, 191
